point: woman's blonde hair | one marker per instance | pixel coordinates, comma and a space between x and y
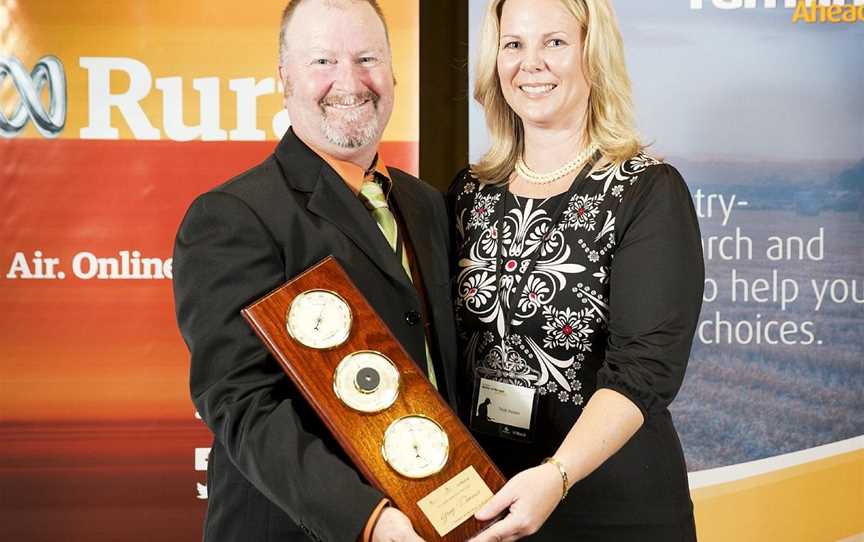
610, 109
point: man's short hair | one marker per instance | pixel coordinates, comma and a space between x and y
288, 12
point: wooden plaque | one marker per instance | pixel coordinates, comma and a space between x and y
361, 434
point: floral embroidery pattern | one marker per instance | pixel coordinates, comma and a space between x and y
484, 207
557, 323
478, 289
581, 213
566, 328
537, 292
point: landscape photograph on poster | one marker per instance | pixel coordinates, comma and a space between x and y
763, 117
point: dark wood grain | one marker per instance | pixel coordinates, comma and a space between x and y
361, 434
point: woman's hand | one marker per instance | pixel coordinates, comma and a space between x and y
528, 499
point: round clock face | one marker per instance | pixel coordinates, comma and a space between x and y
319, 319
416, 446
366, 381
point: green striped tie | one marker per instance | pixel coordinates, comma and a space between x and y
373, 197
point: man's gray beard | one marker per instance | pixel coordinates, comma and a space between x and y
346, 132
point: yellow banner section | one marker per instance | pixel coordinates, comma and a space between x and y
161, 63
816, 501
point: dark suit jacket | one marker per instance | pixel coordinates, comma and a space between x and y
274, 472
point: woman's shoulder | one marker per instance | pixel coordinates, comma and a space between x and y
633, 168
463, 176
658, 178
465, 184
655, 189
639, 176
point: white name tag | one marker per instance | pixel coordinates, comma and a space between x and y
506, 404
503, 410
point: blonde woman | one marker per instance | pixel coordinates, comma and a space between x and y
579, 285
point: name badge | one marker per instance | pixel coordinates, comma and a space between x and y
503, 410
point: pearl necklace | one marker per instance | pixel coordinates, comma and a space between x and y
545, 178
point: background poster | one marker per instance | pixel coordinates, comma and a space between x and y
163, 100
764, 117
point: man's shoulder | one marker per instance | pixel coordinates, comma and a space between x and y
254, 182
259, 191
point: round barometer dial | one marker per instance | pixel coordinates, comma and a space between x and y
319, 319
366, 381
416, 446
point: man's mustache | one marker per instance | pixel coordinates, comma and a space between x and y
349, 99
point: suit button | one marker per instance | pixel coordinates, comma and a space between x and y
412, 318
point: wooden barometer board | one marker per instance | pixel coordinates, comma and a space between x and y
376, 401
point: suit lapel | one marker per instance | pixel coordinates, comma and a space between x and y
333, 201
420, 223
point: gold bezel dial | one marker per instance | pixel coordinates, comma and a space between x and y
416, 446
366, 381
319, 319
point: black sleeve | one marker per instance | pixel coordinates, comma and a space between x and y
655, 288
224, 258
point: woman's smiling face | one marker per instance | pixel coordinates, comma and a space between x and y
540, 63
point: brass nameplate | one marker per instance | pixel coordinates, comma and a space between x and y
455, 501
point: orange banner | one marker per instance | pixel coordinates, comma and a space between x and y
114, 116
182, 70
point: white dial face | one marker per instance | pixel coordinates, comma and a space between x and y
319, 319
416, 446
366, 381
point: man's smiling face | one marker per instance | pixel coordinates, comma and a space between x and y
338, 76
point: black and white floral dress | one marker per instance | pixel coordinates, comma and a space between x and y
606, 296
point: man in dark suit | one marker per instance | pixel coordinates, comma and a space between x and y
274, 471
